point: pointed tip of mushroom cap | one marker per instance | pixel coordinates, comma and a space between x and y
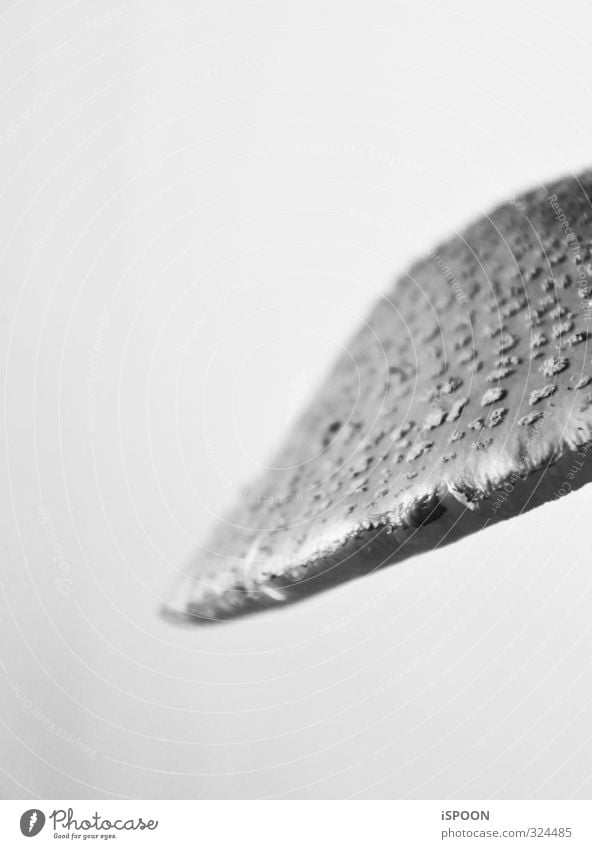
465, 398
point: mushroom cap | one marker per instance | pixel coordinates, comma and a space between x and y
465, 398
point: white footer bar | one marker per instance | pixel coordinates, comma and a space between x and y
297, 824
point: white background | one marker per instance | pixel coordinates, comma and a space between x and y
199, 204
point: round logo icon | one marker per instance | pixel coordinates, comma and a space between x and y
32, 822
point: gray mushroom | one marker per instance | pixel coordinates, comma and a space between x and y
464, 399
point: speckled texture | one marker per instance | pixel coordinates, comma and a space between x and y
470, 377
